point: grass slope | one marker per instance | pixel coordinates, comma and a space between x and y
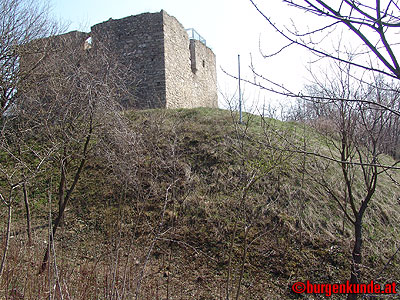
160, 224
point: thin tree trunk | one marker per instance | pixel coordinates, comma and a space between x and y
242, 201
228, 276
61, 187
246, 232
4, 258
357, 259
66, 199
28, 213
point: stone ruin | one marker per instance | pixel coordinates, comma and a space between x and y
170, 69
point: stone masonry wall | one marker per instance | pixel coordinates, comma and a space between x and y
204, 76
138, 42
187, 86
68, 52
177, 64
164, 68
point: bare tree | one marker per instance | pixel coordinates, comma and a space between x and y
373, 24
21, 21
71, 100
20, 162
359, 108
355, 134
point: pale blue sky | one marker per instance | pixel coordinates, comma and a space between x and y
231, 27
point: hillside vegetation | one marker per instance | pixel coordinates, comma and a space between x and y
197, 208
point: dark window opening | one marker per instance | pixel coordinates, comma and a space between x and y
204, 63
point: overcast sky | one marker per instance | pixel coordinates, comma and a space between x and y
231, 27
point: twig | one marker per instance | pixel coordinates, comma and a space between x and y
153, 242
4, 258
246, 232
189, 246
51, 244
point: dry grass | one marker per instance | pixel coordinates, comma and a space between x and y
166, 234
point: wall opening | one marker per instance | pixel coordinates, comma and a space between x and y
88, 43
193, 63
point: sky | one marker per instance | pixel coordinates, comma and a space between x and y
231, 27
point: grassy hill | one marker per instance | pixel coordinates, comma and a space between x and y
197, 207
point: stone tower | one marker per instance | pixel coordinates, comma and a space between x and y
171, 69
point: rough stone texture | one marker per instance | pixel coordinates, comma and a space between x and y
205, 78
36, 56
166, 68
137, 42
190, 69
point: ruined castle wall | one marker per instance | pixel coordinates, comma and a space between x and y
48, 58
137, 42
178, 73
158, 63
187, 86
204, 79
